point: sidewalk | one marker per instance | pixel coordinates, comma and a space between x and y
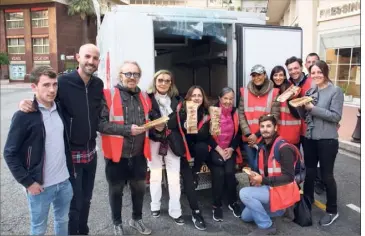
14, 85
348, 123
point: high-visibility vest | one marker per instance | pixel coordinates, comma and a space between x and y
112, 145
289, 127
304, 88
205, 119
239, 158
290, 192
256, 106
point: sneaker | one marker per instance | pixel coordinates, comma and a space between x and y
118, 229
218, 214
269, 231
139, 226
236, 209
328, 219
179, 220
156, 214
198, 220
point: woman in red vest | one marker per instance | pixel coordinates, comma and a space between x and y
224, 155
289, 123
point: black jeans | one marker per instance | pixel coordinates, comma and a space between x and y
200, 152
188, 182
83, 186
134, 171
324, 151
223, 179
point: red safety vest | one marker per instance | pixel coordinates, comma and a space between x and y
256, 106
112, 145
289, 127
304, 88
205, 119
281, 197
239, 158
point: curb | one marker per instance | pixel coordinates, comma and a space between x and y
348, 146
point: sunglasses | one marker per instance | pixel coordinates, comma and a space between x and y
130, 75
165, 81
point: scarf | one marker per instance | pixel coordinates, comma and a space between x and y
164, 103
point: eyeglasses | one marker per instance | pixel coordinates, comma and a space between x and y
130, 75
165, 81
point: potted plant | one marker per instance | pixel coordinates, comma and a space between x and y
4, 60
347, 97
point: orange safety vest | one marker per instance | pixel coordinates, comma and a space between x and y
281, 197
304, 88
289, 127
256, 106
112, 145
205, 119
239, 158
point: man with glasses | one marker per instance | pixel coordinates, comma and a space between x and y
126, 144
80, 94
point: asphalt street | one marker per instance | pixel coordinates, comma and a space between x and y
15, 216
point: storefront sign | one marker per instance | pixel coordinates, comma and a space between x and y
338, 11
70, 57
41, 58
15, 58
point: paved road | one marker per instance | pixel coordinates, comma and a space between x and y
15, 217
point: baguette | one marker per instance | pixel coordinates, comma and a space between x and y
159, 121
215, 113
300, 101
191, 117
287, 94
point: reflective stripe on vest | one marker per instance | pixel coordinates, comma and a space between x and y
257, 108
187, 152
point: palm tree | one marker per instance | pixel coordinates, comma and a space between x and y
84, 8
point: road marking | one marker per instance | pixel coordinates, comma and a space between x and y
320, 205
353, 207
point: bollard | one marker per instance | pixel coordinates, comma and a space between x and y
356, 135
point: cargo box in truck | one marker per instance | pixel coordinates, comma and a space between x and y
210, 48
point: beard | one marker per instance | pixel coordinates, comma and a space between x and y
89, 69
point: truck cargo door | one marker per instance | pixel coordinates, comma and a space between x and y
266, 45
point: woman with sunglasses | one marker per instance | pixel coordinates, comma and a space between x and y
322, 116
166, 145
224, 155
289, 123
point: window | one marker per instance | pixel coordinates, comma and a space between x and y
16, 46
345, 66
39, 19
14, 20
40, 45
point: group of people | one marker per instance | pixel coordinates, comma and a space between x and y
51, 145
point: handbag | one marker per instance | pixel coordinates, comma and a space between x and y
162, 151
284, 196
303, 212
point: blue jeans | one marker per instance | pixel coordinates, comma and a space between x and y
257, 202
251, 155
59, 195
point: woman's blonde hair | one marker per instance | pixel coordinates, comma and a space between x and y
172, 90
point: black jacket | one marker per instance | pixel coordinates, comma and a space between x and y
203, 135
236, 139
171, 134
133, 114
24, 150
82, 106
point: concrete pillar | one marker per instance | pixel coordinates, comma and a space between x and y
307, 19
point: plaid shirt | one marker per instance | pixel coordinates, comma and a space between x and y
83, 156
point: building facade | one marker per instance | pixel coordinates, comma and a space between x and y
40, 33
331, 29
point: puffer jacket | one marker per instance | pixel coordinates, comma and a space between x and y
275, 107
133, 114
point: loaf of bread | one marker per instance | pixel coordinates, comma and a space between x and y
215, 114
191, 117
290, 92
159, 121
297, 102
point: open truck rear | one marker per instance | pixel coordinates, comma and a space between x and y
210, 48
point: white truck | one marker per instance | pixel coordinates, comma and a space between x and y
210, 48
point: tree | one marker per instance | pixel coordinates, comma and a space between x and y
4, 60
84, 8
